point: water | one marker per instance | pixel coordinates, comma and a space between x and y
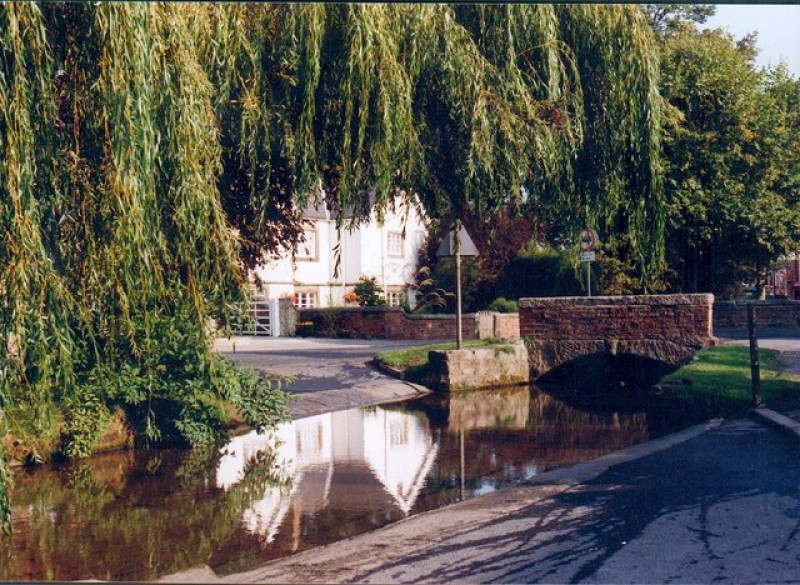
142, 515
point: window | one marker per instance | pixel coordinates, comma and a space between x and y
394, 244
307, 250
394, 297
305, 300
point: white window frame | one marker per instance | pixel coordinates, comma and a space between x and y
306, 299
400, 240
395, 295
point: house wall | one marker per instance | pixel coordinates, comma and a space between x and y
363, 253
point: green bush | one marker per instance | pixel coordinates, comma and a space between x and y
540, 272
369, 292
503, 305
473, 287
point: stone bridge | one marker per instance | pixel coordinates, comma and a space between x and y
667, 328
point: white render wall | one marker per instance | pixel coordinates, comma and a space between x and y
363, 253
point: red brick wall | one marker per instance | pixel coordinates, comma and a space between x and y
670, 317
772, 313
394, 323
388, 323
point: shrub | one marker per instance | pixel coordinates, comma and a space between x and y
503, 305
369, 292
304, 329
540, 272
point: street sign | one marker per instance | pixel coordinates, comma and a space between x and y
587, 256
588, 239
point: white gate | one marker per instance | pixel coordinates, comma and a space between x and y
259, 311
264, 318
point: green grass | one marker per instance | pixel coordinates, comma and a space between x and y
413, 361
717, 381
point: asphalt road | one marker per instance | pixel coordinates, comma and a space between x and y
326, 374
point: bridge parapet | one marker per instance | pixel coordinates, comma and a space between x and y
669, 328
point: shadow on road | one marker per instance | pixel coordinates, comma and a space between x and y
723, 506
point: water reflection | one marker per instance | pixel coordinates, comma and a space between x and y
141, 515
394, 449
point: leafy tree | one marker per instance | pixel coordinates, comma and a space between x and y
672, 17
541, 272
486, 106
115, 250
137, 140
732, 172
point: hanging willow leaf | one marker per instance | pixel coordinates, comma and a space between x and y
137, 140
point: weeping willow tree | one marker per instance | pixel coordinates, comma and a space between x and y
115, 249
552, 109
136, 139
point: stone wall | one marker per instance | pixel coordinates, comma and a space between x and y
287, 317
670, 317
394, 323
484, 367
770, 313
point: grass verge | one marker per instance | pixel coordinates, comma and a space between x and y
412, 362
717, 381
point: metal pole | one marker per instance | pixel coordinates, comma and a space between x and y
588, 279
755, 368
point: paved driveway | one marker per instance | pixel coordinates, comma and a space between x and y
328, 374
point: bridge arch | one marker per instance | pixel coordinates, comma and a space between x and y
667, 328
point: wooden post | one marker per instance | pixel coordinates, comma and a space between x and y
755, 367
457, 250
459, 330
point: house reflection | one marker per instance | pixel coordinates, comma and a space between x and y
363, 459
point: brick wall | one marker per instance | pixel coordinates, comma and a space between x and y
670, 317
394, 323
506, 325
771, 313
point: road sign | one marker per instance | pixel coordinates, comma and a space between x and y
587, 256
588, 239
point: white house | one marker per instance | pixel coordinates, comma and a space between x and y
388, 252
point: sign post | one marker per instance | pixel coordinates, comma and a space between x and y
457, 243
588, 240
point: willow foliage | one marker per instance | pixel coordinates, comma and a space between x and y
115, 248
469, 107
618, 173
136, 139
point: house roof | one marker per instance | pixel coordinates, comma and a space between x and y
317, 208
